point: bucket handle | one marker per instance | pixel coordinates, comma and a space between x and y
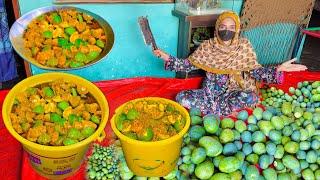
101, 137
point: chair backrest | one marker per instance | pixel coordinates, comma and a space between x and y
273, 27
273, 43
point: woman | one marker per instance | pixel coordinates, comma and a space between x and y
231, 70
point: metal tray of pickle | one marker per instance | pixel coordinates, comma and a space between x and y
20, 25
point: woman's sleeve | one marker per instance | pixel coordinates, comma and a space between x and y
268, 75
176, 64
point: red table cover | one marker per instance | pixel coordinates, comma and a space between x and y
14, 164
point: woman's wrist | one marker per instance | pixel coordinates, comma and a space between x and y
279, 69
165, 57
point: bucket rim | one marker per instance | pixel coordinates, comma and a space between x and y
8, 103
174, 138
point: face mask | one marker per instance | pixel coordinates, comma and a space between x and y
226, 35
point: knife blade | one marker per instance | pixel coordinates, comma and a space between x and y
146, 32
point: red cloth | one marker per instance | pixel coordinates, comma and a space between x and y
117, 92
10, 150
312, 33
292, 78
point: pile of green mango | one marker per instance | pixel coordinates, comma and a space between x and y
306, 95
280, 141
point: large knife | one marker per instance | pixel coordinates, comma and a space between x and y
146, 31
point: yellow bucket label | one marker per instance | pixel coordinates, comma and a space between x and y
54, 166
148, 165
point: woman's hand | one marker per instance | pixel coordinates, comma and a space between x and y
288, 66
160, 54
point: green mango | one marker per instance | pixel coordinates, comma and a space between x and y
211, 123
269, 174
252, 173
212, 146
229, 164
204, 170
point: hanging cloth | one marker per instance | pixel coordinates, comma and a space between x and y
8, 69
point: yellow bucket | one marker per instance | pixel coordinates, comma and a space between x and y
152, 159
55, 162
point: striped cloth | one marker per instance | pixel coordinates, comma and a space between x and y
8, 70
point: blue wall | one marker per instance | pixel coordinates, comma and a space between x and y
235, 5
130, 57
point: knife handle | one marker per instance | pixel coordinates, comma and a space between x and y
154, 47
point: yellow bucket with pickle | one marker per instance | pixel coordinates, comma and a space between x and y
151, 132
55, 132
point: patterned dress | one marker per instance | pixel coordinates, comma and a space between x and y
215, 97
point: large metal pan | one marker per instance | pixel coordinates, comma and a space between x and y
18, 28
